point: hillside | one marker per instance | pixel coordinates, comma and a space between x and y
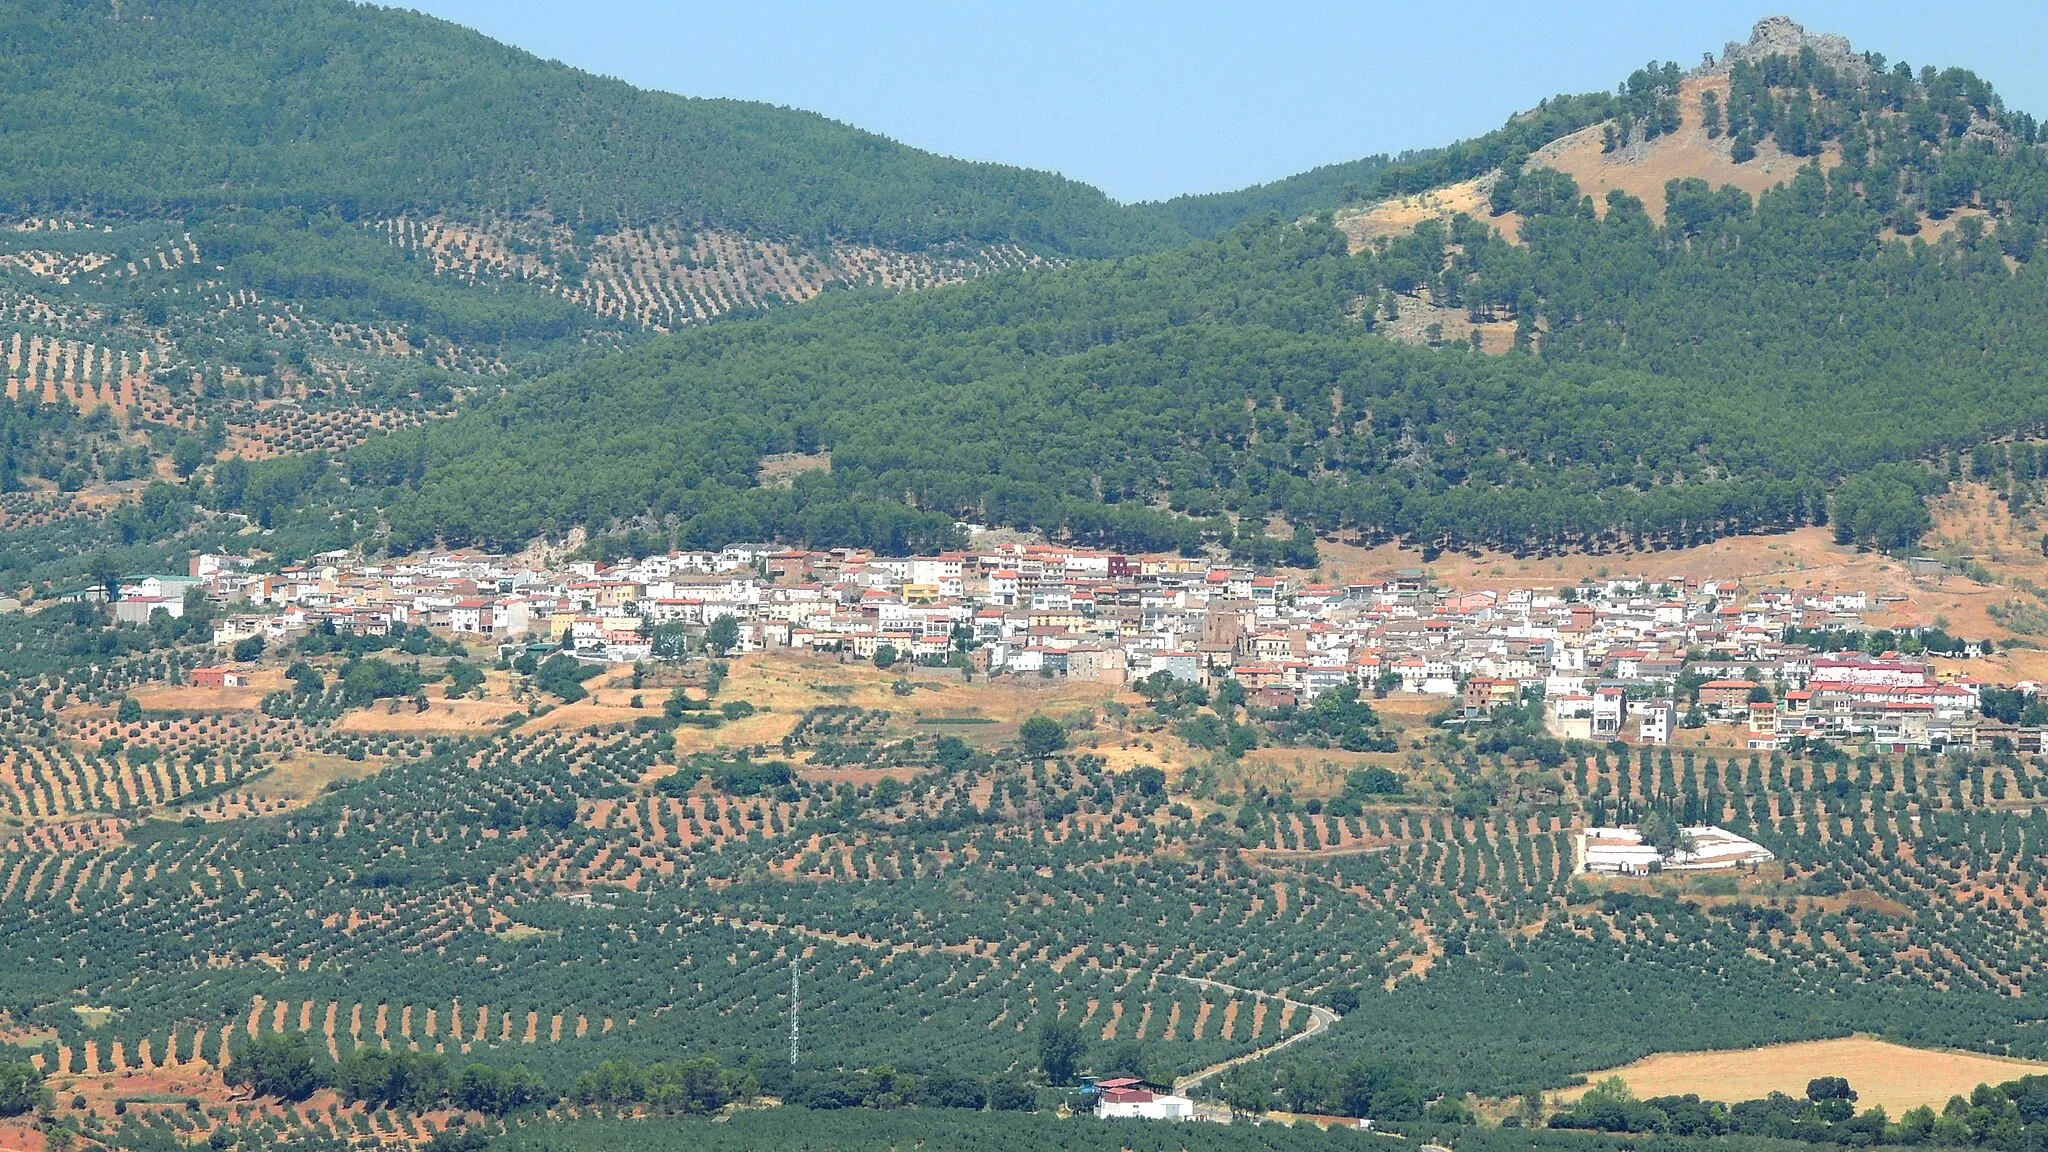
355, 282
159, 108
1691, 140
262, 228
1375, 177
1749, 363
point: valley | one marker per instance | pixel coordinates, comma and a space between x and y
542, 614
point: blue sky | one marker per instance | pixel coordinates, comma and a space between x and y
1148, 100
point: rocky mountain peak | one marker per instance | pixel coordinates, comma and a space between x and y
1783, 36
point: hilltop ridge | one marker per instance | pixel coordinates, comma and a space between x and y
1670, 125
1784, 36
162, 108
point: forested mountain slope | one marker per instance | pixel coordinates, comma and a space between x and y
1722, 372
160, 107
260, 228
1706, 362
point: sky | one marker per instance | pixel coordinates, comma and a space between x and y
1149, 100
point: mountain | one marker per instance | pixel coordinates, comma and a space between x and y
1543, 371
335, 288
160, 108
245, 229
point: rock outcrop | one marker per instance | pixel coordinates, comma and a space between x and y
1782, 36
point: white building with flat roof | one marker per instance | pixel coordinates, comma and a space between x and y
1658, 721
1704, 848
1143, 1104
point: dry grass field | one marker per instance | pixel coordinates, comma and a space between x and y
793, 683
1642, 169
1639, 170
987, 714
1804, 558
188, 698
300, 778
1881, 1072
451, 717
984, 713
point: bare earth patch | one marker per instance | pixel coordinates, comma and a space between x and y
442, 715
780, 469
1399, 216
1970, 521
1641, 169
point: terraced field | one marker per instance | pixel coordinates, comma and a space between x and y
660, 277
145, 350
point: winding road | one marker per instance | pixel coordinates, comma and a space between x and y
1319, 1018
1319, 1021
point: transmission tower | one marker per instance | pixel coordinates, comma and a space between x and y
795, 1007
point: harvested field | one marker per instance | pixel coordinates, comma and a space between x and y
442, 715
1884, 1073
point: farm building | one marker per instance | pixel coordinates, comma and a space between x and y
218, 678
138, 609
1712, 847
1126, 1097
1621, 851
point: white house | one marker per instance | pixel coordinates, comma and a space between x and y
511, 617
1610, 712
473, 615
1002, 587
1657, 722
1143, 1104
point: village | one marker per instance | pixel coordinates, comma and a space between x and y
1632, 660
